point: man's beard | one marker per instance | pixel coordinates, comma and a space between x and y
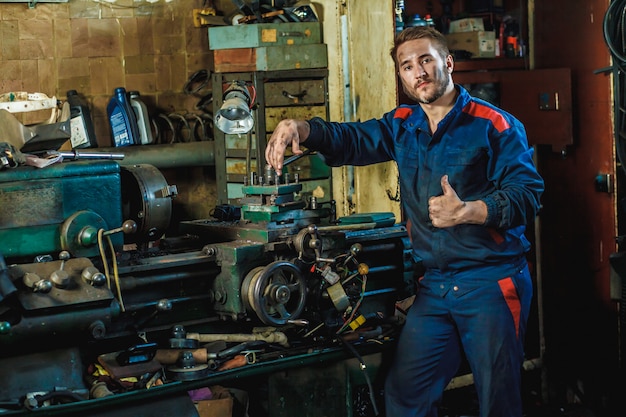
442, 81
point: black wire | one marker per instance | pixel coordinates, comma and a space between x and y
62, 397
615, 39
358, 356
612, 28
196, 82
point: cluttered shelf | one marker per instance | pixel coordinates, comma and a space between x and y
181, 390
490, 64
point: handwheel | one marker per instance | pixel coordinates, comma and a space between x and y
276, 292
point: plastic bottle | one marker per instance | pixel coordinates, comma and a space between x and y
429, 21
82, 134
399, 24
143, 119
416, 20
122, 119
399, 12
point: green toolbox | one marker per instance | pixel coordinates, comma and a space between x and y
272, 58
264, 35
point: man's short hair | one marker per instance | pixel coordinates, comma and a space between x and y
420, 32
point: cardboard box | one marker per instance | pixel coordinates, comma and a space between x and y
264, 34
270, 58
470, 24
222, 407
480, 44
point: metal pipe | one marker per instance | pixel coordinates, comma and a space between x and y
77, 154
132, 282
174, 300
173, 155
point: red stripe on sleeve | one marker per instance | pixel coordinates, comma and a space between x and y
484, 112
402, 113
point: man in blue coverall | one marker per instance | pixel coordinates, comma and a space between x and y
469, 187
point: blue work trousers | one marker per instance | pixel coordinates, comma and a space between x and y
485, 318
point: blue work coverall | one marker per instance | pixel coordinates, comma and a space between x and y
476, 291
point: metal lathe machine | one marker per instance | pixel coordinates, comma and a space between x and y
102, 311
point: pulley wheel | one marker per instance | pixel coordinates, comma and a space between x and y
276, 292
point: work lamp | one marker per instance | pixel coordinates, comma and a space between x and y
234, 116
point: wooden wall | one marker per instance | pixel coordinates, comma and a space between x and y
95, 47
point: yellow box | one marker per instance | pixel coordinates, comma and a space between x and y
480, 44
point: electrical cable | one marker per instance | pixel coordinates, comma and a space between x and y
60, 397
116, 275
106, 266
196, 82
356, 307
613, 27
363, 367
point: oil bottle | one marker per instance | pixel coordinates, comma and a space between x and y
124, 131
143, 119
82, 134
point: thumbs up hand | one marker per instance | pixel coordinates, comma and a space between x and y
447, 209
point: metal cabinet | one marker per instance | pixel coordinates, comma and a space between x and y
276, 95
541, 99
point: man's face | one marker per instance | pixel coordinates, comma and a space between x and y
425, 75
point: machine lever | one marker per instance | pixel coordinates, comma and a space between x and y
128, 227
294, 158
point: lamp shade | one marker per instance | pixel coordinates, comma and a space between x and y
234, 116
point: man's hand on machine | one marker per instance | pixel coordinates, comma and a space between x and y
288, 132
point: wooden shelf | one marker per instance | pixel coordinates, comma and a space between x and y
489, 64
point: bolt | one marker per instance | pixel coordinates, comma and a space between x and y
5, 327
97, 329
178, 331
210, 250
164, 305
